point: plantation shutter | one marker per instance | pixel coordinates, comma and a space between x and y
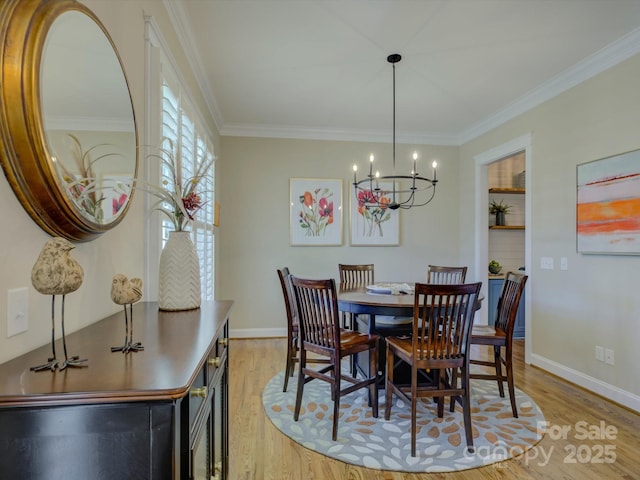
180, 128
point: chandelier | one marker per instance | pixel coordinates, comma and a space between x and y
405, 191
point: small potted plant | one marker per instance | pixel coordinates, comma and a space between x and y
494, 267
499, 209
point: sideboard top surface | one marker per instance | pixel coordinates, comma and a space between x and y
175, 344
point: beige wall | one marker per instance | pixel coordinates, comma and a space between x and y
595, 301
253, 183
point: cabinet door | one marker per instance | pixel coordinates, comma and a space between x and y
126, 441
200, 452
220, 425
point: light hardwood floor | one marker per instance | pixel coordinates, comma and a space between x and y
259, 451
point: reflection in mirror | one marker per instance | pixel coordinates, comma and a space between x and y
67, 128
87, 117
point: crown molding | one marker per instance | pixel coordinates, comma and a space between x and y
614, 53
303, 133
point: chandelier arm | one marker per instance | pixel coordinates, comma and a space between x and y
395, 177
433, 193
366, 184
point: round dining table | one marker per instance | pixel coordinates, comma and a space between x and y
361, 301
394, 312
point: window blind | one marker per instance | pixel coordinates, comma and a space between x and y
180, 128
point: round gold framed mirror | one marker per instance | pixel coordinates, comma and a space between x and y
67, 123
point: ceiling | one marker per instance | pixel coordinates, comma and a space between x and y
318, 68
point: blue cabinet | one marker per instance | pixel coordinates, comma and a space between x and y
495, 289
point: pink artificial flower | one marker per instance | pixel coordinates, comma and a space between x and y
119, 202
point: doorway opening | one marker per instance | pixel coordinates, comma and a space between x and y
506, 180
492, 181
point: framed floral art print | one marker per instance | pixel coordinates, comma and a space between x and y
316, 211
373, 224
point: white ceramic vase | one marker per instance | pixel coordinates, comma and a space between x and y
179, 286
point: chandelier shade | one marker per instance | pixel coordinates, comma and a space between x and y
405, 191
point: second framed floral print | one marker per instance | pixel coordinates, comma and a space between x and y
373, 224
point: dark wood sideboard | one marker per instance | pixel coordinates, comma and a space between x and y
152, 415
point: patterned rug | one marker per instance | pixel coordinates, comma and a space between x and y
386, 445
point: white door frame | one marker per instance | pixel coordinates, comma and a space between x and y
482, 160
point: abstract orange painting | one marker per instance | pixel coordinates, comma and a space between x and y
608, 205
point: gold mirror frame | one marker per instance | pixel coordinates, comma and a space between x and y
24, 153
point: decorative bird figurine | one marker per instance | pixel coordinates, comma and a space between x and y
57, 273
125, 292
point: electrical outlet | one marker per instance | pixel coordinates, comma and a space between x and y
546, 263
17, 311
599, 353
609, 357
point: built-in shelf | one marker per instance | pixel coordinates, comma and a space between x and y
520, 191
507, 190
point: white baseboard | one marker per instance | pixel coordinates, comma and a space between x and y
604, 389
257, 332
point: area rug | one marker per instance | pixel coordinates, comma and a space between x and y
386, 445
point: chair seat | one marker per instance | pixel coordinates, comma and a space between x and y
404, 344
403, 348
349, 338
487, 335
352, 343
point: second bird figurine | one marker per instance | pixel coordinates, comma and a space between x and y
126, 292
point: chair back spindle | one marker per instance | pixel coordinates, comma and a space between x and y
509, 301
317, 302
442, 320
446, 275
353, 276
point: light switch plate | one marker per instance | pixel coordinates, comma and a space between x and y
17, 311
546, 263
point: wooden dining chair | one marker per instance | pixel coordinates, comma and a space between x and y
292, 327
442, 321
320, 334
500, 336
352, 277
446, 275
